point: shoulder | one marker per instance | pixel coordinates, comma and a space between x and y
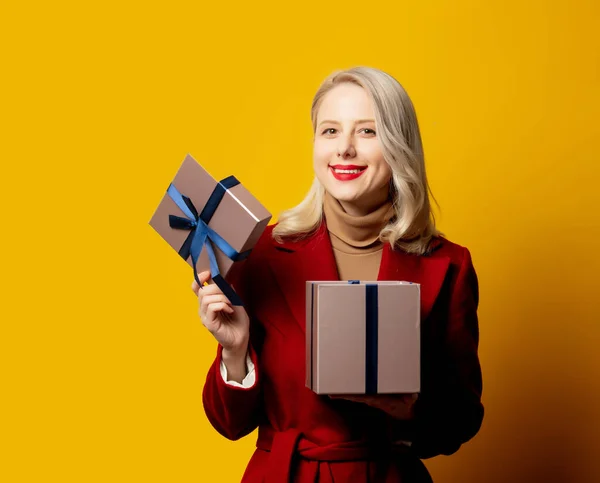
264, 247
460, 262
442, 247
268, 245
266, 242
463, 277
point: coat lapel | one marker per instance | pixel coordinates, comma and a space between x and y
295, 263
429, 272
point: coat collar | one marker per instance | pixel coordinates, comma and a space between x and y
295, 262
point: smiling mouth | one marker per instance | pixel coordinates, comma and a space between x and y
347, 169
347, 173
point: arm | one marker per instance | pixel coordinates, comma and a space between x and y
235, 409
449, 412
232, 409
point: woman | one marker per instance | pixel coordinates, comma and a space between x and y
367, 216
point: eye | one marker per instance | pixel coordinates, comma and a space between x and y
368, 131
327, 131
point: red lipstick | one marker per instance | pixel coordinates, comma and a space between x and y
347, 167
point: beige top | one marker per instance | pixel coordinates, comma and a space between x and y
355, 239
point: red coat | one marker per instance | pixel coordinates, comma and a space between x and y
304, 437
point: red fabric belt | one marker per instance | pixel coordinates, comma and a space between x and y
283, 445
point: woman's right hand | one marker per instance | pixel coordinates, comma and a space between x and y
229, 325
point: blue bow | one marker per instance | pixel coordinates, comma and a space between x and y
202, 236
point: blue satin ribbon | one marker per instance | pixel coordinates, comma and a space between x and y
372, 336
202, 236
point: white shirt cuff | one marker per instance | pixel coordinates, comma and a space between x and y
248, 381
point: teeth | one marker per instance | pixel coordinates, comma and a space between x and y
347, 171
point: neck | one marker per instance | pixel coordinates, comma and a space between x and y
354, 230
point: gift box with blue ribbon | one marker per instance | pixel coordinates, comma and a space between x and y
212, 224
363, 337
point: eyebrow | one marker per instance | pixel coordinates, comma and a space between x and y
360, 121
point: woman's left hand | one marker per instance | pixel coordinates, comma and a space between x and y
399, 406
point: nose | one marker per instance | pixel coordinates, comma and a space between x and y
345, 148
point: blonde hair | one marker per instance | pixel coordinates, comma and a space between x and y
398, 132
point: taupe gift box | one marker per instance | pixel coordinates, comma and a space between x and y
363, 337
200, 214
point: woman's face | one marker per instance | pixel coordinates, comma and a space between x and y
347, 155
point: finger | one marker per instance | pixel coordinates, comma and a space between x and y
213, 309
213, 299
209, 314
204, 277
211, 289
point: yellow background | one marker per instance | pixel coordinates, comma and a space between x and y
103, 354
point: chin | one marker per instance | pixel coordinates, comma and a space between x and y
344, 195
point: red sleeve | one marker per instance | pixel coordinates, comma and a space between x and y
233, 411
449, 412
236, 411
